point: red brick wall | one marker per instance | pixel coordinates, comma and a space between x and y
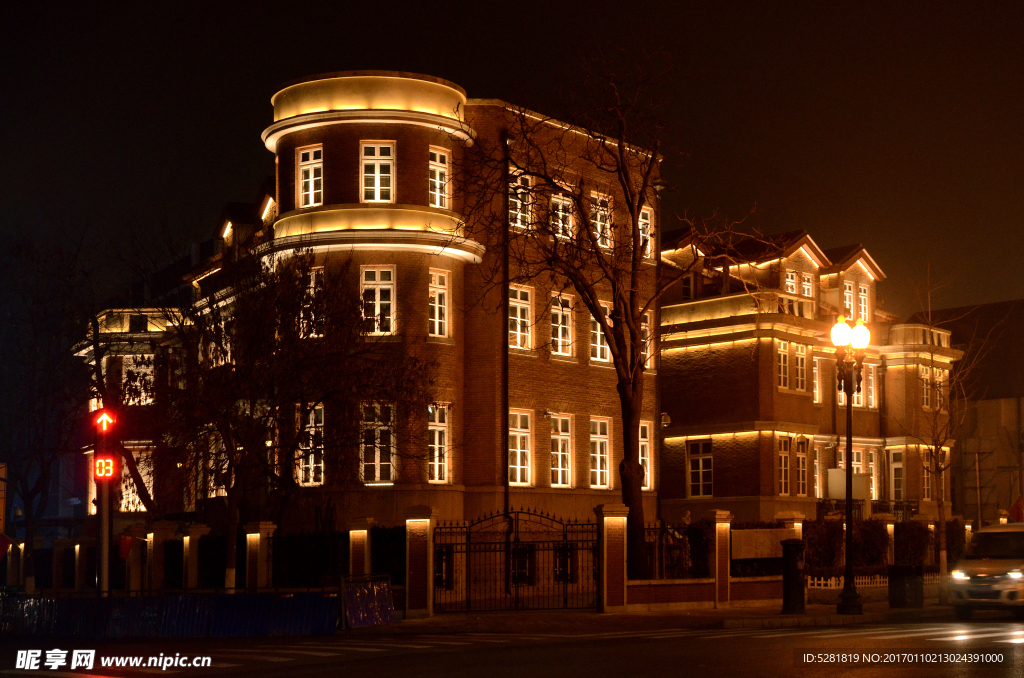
756, 590
673, 592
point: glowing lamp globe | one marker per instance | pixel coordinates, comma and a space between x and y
860, 336
841, 332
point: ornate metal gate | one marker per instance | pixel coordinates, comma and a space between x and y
521, 560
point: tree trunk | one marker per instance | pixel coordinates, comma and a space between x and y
28, 571
631, 474
943, 586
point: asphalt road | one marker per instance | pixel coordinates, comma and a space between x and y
924, 649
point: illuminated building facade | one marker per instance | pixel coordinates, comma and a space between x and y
748, 381
368, 173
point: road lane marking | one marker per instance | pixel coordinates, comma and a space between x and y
884, 634
972, 636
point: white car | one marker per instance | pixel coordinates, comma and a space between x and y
990, 575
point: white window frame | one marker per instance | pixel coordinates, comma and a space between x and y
309, 468
782, 364
314, 289
380, 288
848, 299
520, 317
437, 305
375, 179
644, 453
438, 444
561, 450
858, 396
601, 219
646, 234
646, 341
862, 302
561, 325
895, 464
561, 217
519, 202
519, 466
699, 451
800, 368
785, 446
600, 453
807, 285
439, 177
383, 443
816, 379
926, 386
801, 468
309, 176
871, 386
926, 486
817, 473
871, 475
599, 349
791, 282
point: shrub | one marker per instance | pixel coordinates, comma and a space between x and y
911, 542
870, 543
824, 543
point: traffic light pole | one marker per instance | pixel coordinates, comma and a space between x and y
103, 493
104, 474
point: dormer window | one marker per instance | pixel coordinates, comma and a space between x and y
862, 303
807, 288
311, 176
848, 299
791, 282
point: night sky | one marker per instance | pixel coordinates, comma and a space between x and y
898, 127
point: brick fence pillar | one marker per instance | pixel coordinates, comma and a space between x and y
890, 528
419, 561
359, 546
611, 525
721, 559
190, 554
259, 571
160, 532
81, 548
14, 564
968, 526
792, 520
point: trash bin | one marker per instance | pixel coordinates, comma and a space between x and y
906, 586
793, 592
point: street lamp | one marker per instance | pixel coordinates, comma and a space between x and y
850, 343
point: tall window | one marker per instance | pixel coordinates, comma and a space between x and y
310, 464
437, 177
437, 315
807, 286
312, 317
862, 303
816, 379
646, 243
601, 217
378, 444
896, 471
800, 368
871, 385
518, 317
783, 364
926, 386
598, 342
848, 299
784, 449
379, 298
311, 176
817, 475
791, 282
437, 444
939, 377
599, 452
561, 446
841, 398
645, 454
700, 468
561, 216
378, 171
858, 397
871, 474
926, 487
519, 202
801, 468
561, 325
518, 448
138, 379
646, 356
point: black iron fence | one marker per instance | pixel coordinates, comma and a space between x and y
521, 560
902, 510
678, 552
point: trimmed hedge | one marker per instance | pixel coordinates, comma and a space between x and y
825, 544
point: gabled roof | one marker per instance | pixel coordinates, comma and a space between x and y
764, 248
845, 257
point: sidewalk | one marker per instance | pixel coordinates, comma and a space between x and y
583, 622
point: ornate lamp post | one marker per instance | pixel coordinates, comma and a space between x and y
850, 344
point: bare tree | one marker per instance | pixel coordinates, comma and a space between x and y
41, 382
572, 205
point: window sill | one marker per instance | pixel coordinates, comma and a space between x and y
601, 363
526, 352
446, 341
559, 358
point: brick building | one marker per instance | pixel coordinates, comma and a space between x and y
748, 381
371, 174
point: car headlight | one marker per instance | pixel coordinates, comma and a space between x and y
959, 574
1016, 574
